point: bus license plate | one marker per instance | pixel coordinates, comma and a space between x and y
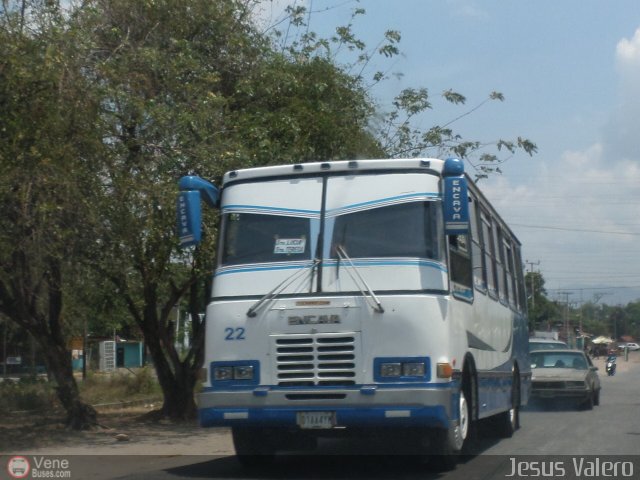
316, 419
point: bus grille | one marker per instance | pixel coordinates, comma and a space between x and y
325, 359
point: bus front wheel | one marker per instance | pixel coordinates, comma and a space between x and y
253, 447
448, 443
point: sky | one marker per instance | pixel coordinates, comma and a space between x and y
570, 74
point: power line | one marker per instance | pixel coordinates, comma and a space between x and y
548, 227
560, 290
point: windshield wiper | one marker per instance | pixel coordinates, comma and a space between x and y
342, 255
281, 287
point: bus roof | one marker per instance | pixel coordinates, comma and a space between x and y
433, 164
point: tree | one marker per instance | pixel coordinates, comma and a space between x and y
394, 132
190, 86
43, 145
543, 313
162, 71
295, 108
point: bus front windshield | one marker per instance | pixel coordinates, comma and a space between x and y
258, 238
404, 230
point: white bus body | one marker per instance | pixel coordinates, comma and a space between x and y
340, 304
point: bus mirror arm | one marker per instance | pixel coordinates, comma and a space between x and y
207, 190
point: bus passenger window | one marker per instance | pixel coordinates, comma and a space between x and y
460, 263
487, 247
479, 277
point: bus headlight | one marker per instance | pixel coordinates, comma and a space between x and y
222, 373
232, 373
390, 369
413, 369
243, 372
410, 369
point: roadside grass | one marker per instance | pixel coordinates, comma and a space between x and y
30, 393
39, 394
125, 385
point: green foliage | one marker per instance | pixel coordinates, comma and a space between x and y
395, 133
595, 318
544, 313
26, 394
288, 112
32, 393
122, 386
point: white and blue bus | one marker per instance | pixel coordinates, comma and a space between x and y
354, 297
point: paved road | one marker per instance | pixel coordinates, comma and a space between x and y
563, 439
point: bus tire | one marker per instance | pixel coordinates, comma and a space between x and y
509, 421
253, 449
448, 443
470, 389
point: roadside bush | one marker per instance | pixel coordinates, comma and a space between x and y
27, 394
122, 386
40, 394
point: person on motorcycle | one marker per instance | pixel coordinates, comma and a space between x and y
611, 364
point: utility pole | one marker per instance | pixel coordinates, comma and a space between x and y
566, 312
533, 291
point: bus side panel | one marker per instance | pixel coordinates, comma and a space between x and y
492, 334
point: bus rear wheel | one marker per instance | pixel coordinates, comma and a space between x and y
509, 421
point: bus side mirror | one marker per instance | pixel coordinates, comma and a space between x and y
455, 198
192, 191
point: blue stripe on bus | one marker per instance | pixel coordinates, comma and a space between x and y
331, 263
392, 263
334, 211
316, 388
394, 199
261, 268
264, 208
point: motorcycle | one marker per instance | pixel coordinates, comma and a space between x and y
611, 366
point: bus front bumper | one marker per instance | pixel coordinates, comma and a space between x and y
366, 407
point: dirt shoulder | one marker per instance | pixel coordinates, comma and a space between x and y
122, 432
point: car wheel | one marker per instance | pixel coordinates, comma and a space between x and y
596, 397
588, 403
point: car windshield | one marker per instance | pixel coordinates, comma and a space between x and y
546, 346
558, 360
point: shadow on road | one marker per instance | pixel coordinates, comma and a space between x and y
340, 466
